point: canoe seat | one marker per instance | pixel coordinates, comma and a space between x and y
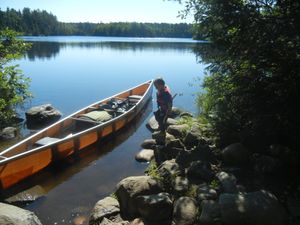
96, 116
133, 99
46, 141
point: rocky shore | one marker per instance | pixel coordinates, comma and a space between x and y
190, 180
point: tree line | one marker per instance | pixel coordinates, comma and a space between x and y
251, 92
41, 22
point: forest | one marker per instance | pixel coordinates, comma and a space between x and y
41, 22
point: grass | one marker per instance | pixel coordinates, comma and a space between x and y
152, 171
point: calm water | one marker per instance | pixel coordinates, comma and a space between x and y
72, 72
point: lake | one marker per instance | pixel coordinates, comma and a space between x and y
72, 72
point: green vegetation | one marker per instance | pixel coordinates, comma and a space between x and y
192, 191
215, 184
251, 92
152, 171
13, 84
37, 22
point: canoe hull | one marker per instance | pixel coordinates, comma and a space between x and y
20, 167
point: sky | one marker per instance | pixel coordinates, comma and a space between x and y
105, 10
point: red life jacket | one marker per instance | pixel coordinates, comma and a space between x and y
164, 98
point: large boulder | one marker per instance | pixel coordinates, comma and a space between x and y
105, 208
180, 185
130, 188
210, 213
169, 168
194, 136
200, 170
8, 133
157, 207
185, 211
145, 155
266, 164
42, 114
257, 208
178, 131
235, 154
228, 182
12, 215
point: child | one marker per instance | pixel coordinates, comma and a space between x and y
164, 103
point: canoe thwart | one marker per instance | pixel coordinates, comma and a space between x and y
46, 141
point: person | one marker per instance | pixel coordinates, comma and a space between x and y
164, 103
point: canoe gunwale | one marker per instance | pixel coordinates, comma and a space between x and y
77, 135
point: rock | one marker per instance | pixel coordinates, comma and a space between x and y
137, 221
174, 143
170, 153
176, 112
204, 192
141, 221
178, 131
42, 114
185, 158
266, 164
152, 124
203, 152
194, 136
228, 182
168, 168
157, 207
293, 206
185, 211
186, 114
200, 170
257, 208
12, 215
210, 213
145, 155
106, 221
28, 195
105, 208
171, 121
180, 185
130, 188
149, 144
8, 133
161, 138
235, 154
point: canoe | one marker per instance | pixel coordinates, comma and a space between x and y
72, 134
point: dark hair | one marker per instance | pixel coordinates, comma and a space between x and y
159, 81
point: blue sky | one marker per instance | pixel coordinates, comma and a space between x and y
104, 10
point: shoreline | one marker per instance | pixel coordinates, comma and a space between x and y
189, 180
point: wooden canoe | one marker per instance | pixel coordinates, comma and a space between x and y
27, 158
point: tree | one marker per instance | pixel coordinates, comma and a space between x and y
254, 66
13, 84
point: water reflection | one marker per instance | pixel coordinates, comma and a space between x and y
48, 50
